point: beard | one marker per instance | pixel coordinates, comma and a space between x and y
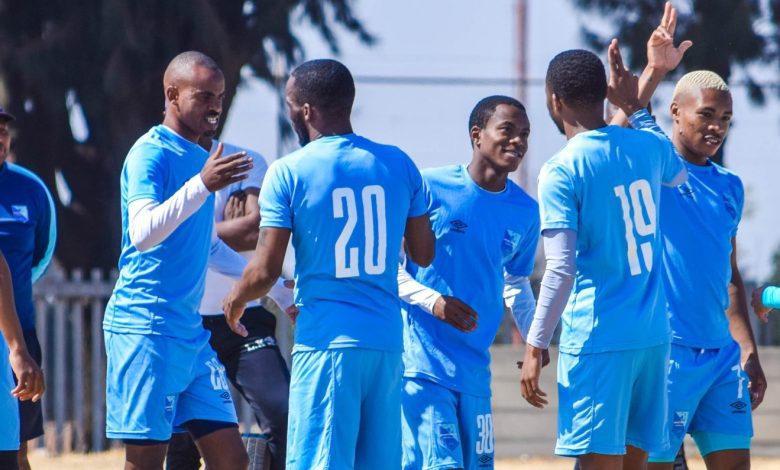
300, 129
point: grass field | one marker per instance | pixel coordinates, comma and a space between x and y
114, 460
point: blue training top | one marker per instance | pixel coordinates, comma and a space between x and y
605, 184
346, 200
158, 290
698, 221
479, 235
28, 233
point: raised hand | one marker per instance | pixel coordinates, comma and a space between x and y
220, 171
661, 53
455, 312
623, 86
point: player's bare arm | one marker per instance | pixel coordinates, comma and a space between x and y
220, 171
261, 273
239, 229
30, 384
419, 241
662, 57
739, 326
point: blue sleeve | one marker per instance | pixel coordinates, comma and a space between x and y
45, 234
275, 198
672, 164
420, 197
739, 199
522, 264
145, 174
558, 202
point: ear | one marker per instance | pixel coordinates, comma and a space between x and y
675, 110
308, 112
172, 93
475, 135
556, 102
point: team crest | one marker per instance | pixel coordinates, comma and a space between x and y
680, 423
20, 213
448, 436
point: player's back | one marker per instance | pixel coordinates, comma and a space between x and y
605, 185
347, 200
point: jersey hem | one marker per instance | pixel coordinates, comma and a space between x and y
613, 347
412, 374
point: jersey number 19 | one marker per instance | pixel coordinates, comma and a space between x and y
641, 195
375, 231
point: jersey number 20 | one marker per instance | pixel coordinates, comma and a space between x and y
641, 195
374, 223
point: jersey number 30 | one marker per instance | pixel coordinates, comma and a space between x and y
375, 231
641, 195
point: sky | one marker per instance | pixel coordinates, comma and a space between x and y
467, 39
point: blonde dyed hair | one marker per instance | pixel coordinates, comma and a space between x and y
699, 80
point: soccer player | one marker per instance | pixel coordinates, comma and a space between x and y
598, 198
254, 363
15, 358
28, 233
161, 373
487, 229
765, 298
347, 202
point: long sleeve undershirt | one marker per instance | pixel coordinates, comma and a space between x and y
150, 223
560, 252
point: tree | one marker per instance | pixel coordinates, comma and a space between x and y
722, 32
107, 57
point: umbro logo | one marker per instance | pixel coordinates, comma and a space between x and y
739, 406
685, 190
459, 226
485, 460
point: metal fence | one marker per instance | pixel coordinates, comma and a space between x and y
69, 322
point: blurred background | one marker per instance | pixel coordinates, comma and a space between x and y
84, 79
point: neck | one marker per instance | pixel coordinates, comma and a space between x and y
330, 128
583, 123
486, 176
178, 127
687, 154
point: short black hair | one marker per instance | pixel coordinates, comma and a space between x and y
325, 84
484, 110
577, 77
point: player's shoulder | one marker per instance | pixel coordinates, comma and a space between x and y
26, 178
150, 146
442, 174
729, 176
518, 196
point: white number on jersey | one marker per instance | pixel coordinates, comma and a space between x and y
375, 224
641, 196
485, 439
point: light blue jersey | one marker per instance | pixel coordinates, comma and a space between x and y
158, 291
346, 200
698, 221
605, 184
479, 235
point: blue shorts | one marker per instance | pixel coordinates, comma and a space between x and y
9, 406
609, 400
445, 429
345, 410
155, 384
708, 398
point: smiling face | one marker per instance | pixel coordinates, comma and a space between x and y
503, 141
197, 101
701, 121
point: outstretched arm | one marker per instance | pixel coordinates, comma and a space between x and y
662, 57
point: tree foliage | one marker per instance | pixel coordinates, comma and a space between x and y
723, 32
108, 57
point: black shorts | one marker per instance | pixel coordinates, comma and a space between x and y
31, 414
